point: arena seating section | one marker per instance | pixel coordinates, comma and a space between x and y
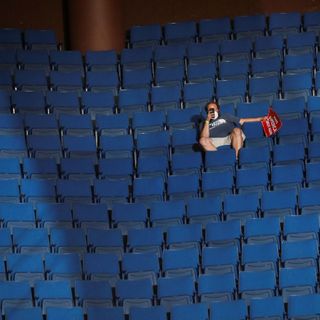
109, 208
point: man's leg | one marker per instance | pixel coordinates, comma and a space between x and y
207, 144
236, 140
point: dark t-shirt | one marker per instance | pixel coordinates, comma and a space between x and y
223, 126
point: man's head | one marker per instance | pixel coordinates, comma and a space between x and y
213, 108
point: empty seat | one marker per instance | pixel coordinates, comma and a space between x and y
99, 313
28, 101
148, 189
40, 39
284, 23
55, 313
183, 186
97, 103
308, 201
180, 32
165, 97
132, 100
227, 310
297, 85
214, 29
261, 307
144, 36
300, 306
101, 60
76, 125
41, 124
217, 183
31, 313
77, 168
153, 143
35, 190
93, 215
66, 60
116, 146
33, 80
196, 94
81, 147
250, 26
17, 214
74, 190
63, 102
112, 125
103, 82
231, 91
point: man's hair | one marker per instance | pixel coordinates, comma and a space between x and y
211, 102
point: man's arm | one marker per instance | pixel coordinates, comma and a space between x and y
205, 133
243, 120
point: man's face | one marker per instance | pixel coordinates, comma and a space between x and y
212, 107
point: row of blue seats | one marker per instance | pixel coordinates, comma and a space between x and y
223, 28
219, 205
298, 306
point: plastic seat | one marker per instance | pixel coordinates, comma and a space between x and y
63, 102
234, 69
105, 241
154, 312
143, 265
11, 38
55, 313
170, 75
102, 60
297, 281
15, 294
184, 141
204, 210
241, 206
264, 88
202, 52
214, 29
33, 80
93, 215
183, 119
11, 124
74, 190
42, 124
50, 214
183, 186
153, 165
125, 216
284, 23
220, 160
299, 253
270, 46
103, 82
101, 267
308, 201
165, 97
63, 266
315, 129
40, 39
288, 153
313, 107
112, 125
261, 308
114, 313
10, 191
170, 55
293, 131
93, 293
54, 293
5, 101
255, 284
220, 260
196, 94
5, 246
287, 177
265, 67
255, 156
25, 267
260, 256
302, 306
136, 57
76, 125
227, 310
6, 80
116, 169
293, 108
236, 49
66, 60
164, 214
186, 163
77, 168
153, 143
35, 190
180, 32
145, 240
213, 287
144, 36
137, 78
10, 168
175, 291
259, 231
297, 85
202, 72
313, 152
30, 240
29, 101
80, 146
66, 81
110, 192
131, 293
148, 189
222, 234
97, 103
279, 202
250, 26
300, 63
68, 240
231, 91
180, 262
8, 63
32, 313
116, 146
17, 214
217, 183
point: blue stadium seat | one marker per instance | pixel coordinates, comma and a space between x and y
6, 80
223, 233
217, 183
11, 38
44, 39
153, 165
153, 143
93, 293
33, 80
293, 131
76, 125
136, 78
66, 81
102, 60
116, 146
17, 214
261, 308
288, 153
297, 85
197, 94
143, 265
37, 124
266, 66
130, 293
175, 291
154, 312
236, 49
38, 190
231, 91
97, 103
66, 60
29, 101
180, 32
30, 240
222, 159
67, 240
257, 284
186, 163
5, 101
256, 156
11, 124
74, 190
215, 29
270, 46
170, 55
183, 119
170, 75
32, 313
202, 52
259, 231
310, 21
55, 313
77, 168
213, 287
204, 210
8, 63
183, 186
63, 102
10, 168
148, 189
264, 89
103, 82
136, 57
133, 100
145, 36
301, 306
10, 191
112, 125
308, 201
235, 310
233, 69
165, 97
313, 107
284, 23
114, 313
299, 63
297, 281
101, 267
93, 215
5, 246
116, 168
202, 72
250, 26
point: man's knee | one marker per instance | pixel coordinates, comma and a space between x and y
207, 144
237, 132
